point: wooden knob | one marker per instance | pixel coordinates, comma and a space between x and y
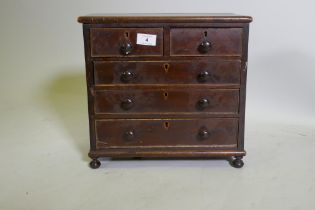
203, 134
203, 103
127, 104
204, 47
126, 48
126, 76
129, 135
203, 76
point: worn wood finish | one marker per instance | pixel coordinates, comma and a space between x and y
142, 133
167, 72
184, 97
107, 42
165, 152
223, 41
156, 100
195, 18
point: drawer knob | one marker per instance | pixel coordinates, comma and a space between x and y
126, 48
126, 76
129, 135
127, 104
203, 76
204, 47
203, 134
203, 103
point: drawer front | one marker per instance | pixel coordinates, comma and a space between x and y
215, 133
206, 41
167, 72
118, 42
155, 100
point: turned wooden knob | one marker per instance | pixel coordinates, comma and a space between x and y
204, 47
203, 134
127, 104
203, 103
203, 76
126, 48
129, 135
126, 76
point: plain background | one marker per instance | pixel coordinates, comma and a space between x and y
43, 115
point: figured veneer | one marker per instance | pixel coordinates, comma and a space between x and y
182, 95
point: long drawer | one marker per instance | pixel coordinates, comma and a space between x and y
167, 100
167, 72
212, 133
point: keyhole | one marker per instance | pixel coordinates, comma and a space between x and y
165, 95
127, 34
205, 33
166, 125
166, 67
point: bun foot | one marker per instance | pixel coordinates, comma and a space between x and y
95, 163
237, 162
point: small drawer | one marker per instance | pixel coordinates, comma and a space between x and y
209, 133
167, 72
206, 41
166, 100
120, 42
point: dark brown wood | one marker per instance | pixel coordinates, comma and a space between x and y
190, 41
89, 84
164, 153
142, 133
108, 42
95, 163
237, 162
142, 100
168, 72
243, 88
184, 97
165, 18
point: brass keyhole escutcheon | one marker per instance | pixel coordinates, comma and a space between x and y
165, 95
166, 125
166, 67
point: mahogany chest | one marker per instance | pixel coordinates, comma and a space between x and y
166, 85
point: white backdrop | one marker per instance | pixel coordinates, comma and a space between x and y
44, 127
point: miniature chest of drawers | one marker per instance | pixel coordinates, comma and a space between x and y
166, 85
